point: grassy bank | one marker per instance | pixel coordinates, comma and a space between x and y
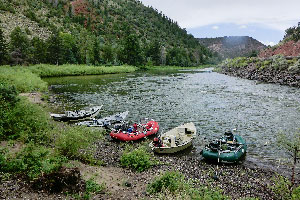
167, 68
44, 70
22, 78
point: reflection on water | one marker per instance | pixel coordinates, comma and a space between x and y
214, 102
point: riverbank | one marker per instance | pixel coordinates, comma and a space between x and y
277, 69
63, 152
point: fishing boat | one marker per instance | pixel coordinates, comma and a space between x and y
228, 149
175, 140
107, 121
78, 114
136, 131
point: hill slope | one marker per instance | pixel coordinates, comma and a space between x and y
289, 46
107, 23
233, 46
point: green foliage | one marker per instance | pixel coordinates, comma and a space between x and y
73, 70
38, 52
279, 62
292, 33
3, 49
19, 43
238, 62
153, 53
22, 78
7, 6
131, 53
24, 121
282, 188
172, 185
295, 68
130, 28
93, 188
32, 161
137, 159
171, 181
289, 142
54, 49
177, 57
73, 142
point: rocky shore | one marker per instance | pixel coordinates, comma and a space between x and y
237, 181
255, 70
267, 75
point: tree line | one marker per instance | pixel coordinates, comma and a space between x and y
84, 47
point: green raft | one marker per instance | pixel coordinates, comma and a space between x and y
228, 149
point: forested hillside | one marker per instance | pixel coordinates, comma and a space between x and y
93, 32
233, 46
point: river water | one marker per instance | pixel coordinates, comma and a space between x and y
213, 101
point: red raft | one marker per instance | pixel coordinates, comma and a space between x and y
136, 132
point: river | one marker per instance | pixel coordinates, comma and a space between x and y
213, 101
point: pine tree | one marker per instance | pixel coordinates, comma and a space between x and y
54, 49
132, 52
19, 46
3, 49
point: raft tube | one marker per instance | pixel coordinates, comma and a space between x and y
227, 156
150, 128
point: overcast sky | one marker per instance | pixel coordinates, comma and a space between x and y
264, 20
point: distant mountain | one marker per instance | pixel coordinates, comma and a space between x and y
233, 46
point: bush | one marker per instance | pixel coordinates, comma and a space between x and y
172, 185
295, 68
171, 181
93, 188
282, 188
24, 121
32, 161
138, 159
73, 142
279, 62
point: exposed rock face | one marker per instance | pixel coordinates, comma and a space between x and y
233, 46
289, 48
10, 21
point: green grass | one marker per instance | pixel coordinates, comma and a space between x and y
166, 68
22, 78
32, 161
75, 142
138, 159
173, 185
45, 70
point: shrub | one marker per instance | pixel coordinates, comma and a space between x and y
32, 161
25, 121
172, 185
171, 181
282, 188
279, 62
73, 142
295, 68
93, 188
138, 159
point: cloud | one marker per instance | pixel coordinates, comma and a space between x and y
275, 14
242, 27
215, 27
268, 43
